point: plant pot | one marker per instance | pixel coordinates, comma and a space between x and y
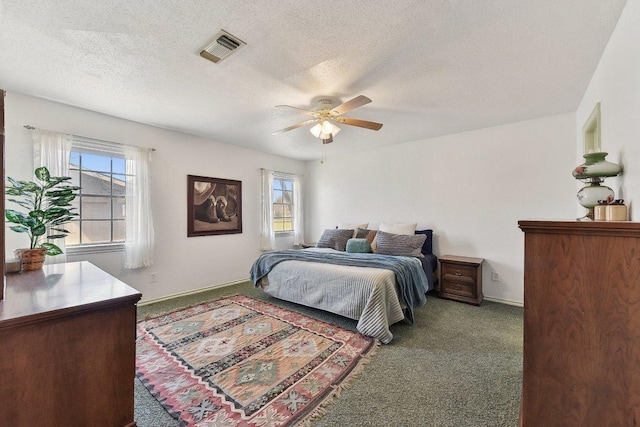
31, 259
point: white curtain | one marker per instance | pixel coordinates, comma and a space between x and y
52, 150
139, 242
298, 213
267, 233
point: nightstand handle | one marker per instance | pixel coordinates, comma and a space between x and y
458, 273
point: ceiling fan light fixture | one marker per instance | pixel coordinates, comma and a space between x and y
324, 130
316, 130
325, 117
327, 127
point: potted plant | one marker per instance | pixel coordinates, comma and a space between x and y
48, 205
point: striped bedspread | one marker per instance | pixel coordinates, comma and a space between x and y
367, 287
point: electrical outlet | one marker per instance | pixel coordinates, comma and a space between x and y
153, 278
495, 276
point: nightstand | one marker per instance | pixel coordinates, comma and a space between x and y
461, 278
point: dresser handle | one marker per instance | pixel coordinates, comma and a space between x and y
458, 273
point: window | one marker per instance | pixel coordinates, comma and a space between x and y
283, 205
281, 209
114, 201
101, 200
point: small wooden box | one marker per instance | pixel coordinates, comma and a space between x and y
461, 278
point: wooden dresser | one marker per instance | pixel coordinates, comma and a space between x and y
581, 364
67, 348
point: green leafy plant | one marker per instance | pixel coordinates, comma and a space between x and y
48, 206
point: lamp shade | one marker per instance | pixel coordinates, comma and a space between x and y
316, 130
595, 166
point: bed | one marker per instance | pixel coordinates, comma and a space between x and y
376, 289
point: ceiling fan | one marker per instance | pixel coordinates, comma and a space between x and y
325, 117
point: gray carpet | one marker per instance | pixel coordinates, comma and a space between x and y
458, 366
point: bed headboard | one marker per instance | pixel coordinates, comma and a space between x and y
427, 246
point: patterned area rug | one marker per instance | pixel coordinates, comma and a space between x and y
240, 362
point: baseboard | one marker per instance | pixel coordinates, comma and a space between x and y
224, 285
504, 301
194, 292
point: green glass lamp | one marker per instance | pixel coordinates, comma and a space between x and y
593, 172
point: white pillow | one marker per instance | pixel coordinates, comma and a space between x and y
397, 228
354, 226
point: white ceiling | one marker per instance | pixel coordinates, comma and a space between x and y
431, 67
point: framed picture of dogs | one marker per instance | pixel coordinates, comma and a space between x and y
214, 206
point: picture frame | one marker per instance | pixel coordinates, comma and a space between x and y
591, 131
214, 206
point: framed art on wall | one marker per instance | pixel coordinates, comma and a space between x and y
214, 206
591, 131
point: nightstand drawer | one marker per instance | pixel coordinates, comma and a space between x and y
462, 288
453, 271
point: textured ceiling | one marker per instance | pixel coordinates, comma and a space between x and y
431, 67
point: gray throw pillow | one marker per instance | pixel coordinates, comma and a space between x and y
400, 244
335, 239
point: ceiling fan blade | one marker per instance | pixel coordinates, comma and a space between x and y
296, 126
356, 102
359, 123
301, 110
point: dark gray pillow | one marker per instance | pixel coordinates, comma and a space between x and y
335, 239
400, 244
427, 246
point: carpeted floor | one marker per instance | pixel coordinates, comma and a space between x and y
459, 365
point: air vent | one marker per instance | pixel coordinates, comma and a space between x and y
222, 45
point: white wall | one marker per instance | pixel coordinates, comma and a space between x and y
616, 84
471, 188
181, 264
